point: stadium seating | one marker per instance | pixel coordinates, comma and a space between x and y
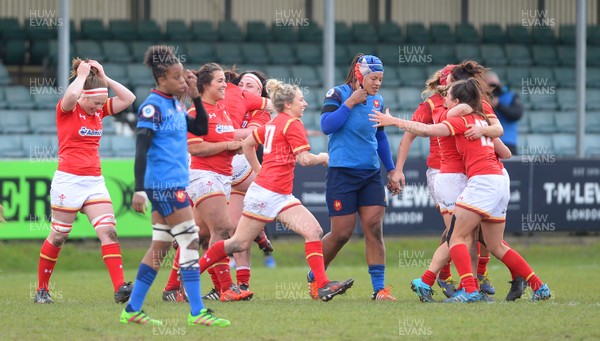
204, 31
390, 32
466, 33
493, 33
116, 52
123, 146
177, 30
364, 33
18, 97
308, 53
442, 33
311, 33
11, 146
592, 145
43, 121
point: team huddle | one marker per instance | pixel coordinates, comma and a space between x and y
196, 163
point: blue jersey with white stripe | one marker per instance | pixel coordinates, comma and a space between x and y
167, 158
354, 144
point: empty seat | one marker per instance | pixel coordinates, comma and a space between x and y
39, 148
388, 53
280, 72
541, 98
204, 30
592, 99
177, 30
390, 77
564, 144
565, 76
284, 33
139, 74
565, 122
122, 29
116, 52
566, 55
593, 35
466, 51
390, 32
18, 97
141, 93
309, 53
43, 121
543, 36
14, 52
105, 149
363, 32
567, 99
353, 49
545, 55
409, 98
518, 33
14, 122
4, 75
518, 54
442, 54
310, 33
417, 33
229, 53
593, 55
592, 145
200, 53
592, 77
390, 99
93, 29
305, 75
567, 34
542, 122
255, 53
442, 33
89, 49
229, 31
11, 146
412, 75
466, 33
257, 31
592, 122
342, 33
538, 144
117, 72
38, 51
492, 54
517, 75
493, 34
45, 97
148, 29
542, 76
138, 50
281, 53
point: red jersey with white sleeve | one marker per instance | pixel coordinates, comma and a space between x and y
220, 129
478, 155
424, 114
283, 138
79, 139
239, 103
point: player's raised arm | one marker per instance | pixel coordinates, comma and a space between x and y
124, 97
81, 71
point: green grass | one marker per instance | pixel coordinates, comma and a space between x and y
281, 309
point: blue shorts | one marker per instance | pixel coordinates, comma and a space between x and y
167, 201
347, 189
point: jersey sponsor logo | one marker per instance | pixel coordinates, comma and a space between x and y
222, 128
148, 111
85, 131
330, 92
376, 104
337, 205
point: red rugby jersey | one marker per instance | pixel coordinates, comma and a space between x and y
79, 139
478, 155
283, 138
238, 104
220, 129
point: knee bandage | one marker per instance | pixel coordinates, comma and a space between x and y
104, 220
161, 233
61, 227
185, 234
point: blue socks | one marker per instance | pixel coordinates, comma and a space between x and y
143, 281
377, 273
191, 282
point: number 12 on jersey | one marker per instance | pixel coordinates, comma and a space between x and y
485, 141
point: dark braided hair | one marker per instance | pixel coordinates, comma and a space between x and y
159, 58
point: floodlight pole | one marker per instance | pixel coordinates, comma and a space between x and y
62, 74
580, 67
328, 42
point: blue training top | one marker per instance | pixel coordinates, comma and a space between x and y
510, 127
353, 142
167, 158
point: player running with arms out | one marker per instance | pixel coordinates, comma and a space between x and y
270, 196
161, 175
484, 200
78, 184
353, 179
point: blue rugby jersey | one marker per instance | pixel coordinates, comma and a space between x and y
167, 158
354, 144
